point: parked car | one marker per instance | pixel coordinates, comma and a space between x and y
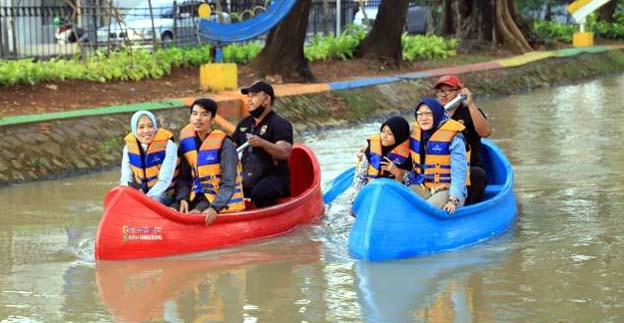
415, 21
169, 23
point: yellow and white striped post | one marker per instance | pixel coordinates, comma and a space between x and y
216, 76
579, 9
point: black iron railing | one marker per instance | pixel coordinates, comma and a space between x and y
43, 32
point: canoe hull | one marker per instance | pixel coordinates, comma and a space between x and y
392, 222
134, 226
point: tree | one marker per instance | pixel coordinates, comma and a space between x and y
511, 35
327, 27
384, 39
478, 22
282, 54
606, 12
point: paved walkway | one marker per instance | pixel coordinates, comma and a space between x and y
230, 101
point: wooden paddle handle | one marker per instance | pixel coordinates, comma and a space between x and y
226, 125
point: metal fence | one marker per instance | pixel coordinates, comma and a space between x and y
46, 31
322, 18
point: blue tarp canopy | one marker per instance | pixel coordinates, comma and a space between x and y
248, 29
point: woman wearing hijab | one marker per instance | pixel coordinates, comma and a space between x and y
438, 154
149, 158
387, 153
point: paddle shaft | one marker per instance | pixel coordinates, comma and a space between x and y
229, 128
454, 103
242, 147
226, 125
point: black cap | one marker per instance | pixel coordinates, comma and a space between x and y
260, 86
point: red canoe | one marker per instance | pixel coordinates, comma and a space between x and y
135, 226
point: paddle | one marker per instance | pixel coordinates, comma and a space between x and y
242, 147
343, 181
229, 128
338, 185
226, 125
454, 103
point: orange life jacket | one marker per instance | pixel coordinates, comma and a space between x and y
205, 165
437, 166
145, 170
398, 155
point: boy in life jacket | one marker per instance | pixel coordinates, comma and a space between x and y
149, 158
387, 154
210, 173
438, 153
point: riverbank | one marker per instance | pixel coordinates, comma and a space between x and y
51, 145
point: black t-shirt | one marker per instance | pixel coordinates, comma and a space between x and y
462, 115
272, 128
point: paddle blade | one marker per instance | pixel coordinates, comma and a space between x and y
338, 185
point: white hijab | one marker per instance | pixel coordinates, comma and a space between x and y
135, 120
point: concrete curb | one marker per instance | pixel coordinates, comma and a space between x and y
234, 108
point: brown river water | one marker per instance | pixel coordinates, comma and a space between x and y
562, 261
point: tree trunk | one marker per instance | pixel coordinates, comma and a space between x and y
327, 27
509, 31
447, 26
282, 55
384, 40
605, 13
477, 22
483, 23
548, 13
513, 11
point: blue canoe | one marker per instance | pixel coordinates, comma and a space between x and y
392, 222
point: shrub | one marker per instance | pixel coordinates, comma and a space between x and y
427, 47
548, 31
126, 64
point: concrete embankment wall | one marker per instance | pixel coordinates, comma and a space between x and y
49, 146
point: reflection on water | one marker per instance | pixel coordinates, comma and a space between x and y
562, 261
222, 287
431, 289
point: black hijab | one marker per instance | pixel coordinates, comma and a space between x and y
400, 130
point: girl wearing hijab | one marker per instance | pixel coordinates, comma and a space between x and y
438, 154
386, 154
149, 158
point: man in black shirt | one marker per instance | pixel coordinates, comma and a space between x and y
265, 162
447, 88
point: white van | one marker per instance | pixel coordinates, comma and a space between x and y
136, 26
415, 21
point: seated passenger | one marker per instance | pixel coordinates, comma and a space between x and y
266, 176
209, 176
149, 158
387, 153
438, 154
477, 126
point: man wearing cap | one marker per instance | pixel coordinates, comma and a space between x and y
265, 162
447, 88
